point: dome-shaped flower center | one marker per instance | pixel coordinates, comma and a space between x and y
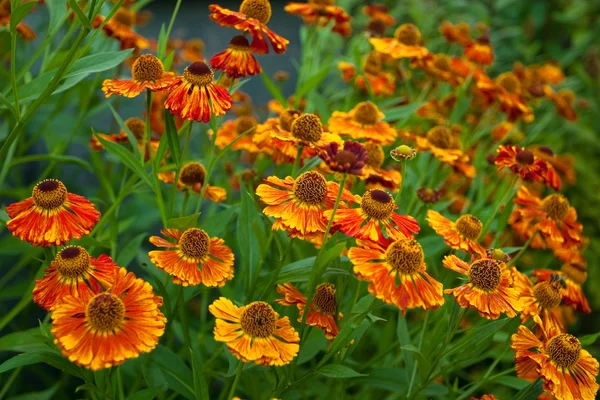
442, 63
258, 320
509, 82
199, 74
194, 243
49, 194
405, 256
136, 126
240, 43
345, 157
244, 123
377, 204
440, 137
324, 298
72, 262
575, 272
366, 113
310, 188
469, 227
125, 17
564, 350
547, 295
147, 68
376, 27
287, 118
307, 127
556, 206
105, 312
429, 195
257, 9
408, 34
373, 63
524, 157
567, 95
192, 173
485, 274
375, 154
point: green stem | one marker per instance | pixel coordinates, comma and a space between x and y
121, 392
414, 371
183, 320
186, 198
177, 172
13, 72
397, 199
505, 199
297, 161
208, 170
527, 390
146, 139
522, 251
259, 267
275, 274
238, 374
8, 383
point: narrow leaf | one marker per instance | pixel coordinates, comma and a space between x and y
80, 15
172, 138
338, 371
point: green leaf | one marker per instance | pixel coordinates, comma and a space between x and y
216, 224
173, 138
57, 11
47, 394
59, 158
273, 89
310, 164
588, 340
133, 141
200, 382
299, 271
126, 158
183, 223
129, 251
422, 358
53, 359
401, 113
149, 393
24, 341
177, 374
337, 371
80, 15
477, 336
19, 13
312, 83
512, 382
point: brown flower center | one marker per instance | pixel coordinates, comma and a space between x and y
310, 188
376, 27
244, 123
147, 68
136, 126
366, 113
442, 63
524, 157
440, 137
287, 118
194, 243
564, 350
575, 272
485, 274
547, 295
509, 82
375, 154
199, 74
240, 43
408, 34
377, 204
105, 312
324, 298
257, 9
49, 194
258, 319
125, 17
373, 63
556, 206
192, 173
405, 256
307, 127
345, 157
469, 227
72, 262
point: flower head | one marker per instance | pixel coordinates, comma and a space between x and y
525, 164
147, 72
461, 234
120, 27
103, 327
51, 216
193, 177
193, 258
564, 101
364, 121
574, 275
237, 61
396, 272
255, 332
428, 195
489, 289
480, 51
320, 13
406, 43
232, 129
403, 152
350, 159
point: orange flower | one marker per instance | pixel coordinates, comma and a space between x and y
525, 164
322, 310
255, 332
194, 258
564, 101
375, 215
396, 272
460, 235
444, 68
147, 72
446, 146
190, 95
281, 151
542, 299
230, 130
373, 173
480, 51
137, 127
305, 130
364, 121
22, 28
51, 216
574, 276
237, 61
459, 33
489, 290
564, 165
252, 18
100, 329
380, 12
486, 397
299, 203
192, 177
72, 272
320, 13
374, 79
406, 43
193, 50
552, 216
507, 89
568, 371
